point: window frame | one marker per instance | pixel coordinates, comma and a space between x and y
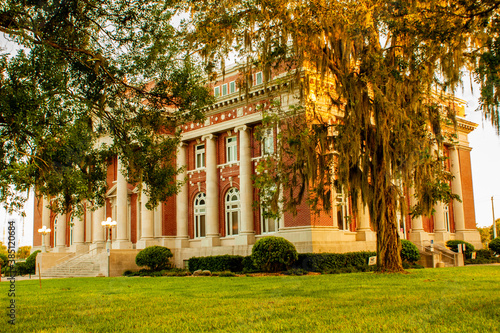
229, 210
217, 91
232, 87
268, 142
199, 152
232, 149
199, 212
257, 76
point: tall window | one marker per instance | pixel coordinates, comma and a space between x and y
231, 149
200, 156
268, 142
216, 91
343, 218
232, 87
232, 211
258, 78
269, 224
55, 232
224, 89
446, 212
199, 215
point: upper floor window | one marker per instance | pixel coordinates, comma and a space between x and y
216, 91
268, 142
224, 89
200, 156
232, 87
258, 78
231, 149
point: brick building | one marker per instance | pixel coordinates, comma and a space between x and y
214, 213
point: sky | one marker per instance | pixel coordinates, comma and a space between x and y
485, 159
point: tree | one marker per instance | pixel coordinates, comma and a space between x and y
89, 70
386, 114
23, 252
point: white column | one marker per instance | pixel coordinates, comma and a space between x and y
456, 186
61, 233
247, 234
46, 221
98, 236
212, 185
417, 234
440, 233
147, 222
182, 199
364, 232
79, 235
122, 239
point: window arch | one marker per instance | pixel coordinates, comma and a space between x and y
200, 215
232, 204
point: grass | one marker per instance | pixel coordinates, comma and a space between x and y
464, 299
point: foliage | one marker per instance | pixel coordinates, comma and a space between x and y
89, 70
409, 251
3, 249
156, 258
4, 260
453, 245
216, 263
495, 245
249, 265
273, 254
329, 262
31, 262
226, 274
23, 252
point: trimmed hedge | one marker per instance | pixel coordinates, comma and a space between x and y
409, 252
216, 263
273, 254
453, 245
325, 262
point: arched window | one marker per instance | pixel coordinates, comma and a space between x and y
199, 215
232, 211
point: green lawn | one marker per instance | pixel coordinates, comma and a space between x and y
465, 299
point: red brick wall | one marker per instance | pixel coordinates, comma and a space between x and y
169, 223
467, 191
37, 221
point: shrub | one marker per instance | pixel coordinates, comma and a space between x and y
453, 245
486, 254
31, 262
495, 245
226, 274
333, 262
248, 265
4, 260
155, 258
409, 252
273, 254
216, 263
296, 271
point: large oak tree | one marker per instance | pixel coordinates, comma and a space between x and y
89, 70
390, 67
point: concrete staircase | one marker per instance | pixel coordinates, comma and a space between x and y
85, 265
438, 255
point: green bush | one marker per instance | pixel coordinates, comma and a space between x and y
216, 263
333, 262
155, 258
4, 260
453, 245
485, 254
225, 274
272, 254
495, 245
31, 262
409, 252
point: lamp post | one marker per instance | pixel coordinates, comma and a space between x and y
108, 224
44, 231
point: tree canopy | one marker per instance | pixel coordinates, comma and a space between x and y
89, 70
391, 68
